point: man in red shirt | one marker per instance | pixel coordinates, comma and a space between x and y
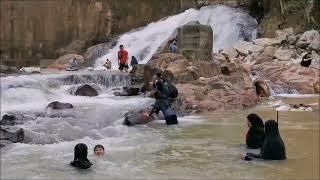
123, 59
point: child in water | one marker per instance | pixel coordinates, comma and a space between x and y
99, 150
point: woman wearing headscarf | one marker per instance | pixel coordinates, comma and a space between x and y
80, 157
273, 147
255, 135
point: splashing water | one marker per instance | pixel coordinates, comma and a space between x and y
228, 24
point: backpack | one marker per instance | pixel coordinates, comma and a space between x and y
173, 91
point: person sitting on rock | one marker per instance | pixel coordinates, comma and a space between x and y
73, 65
99, 150
273, 147
107, 64
255, 135
80, 157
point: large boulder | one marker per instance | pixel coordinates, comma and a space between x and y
9, 119
307, 38
13, 135
138, 117
290, 77
59, 105
174, 66
63, 62
86, 90
221, 92
195, 41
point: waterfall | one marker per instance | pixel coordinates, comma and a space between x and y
36, 91
228, 24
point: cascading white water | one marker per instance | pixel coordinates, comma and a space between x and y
228, 24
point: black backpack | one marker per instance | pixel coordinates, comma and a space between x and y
173, 91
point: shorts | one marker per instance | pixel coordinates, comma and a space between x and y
121, 66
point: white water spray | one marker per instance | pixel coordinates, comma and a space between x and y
228, 24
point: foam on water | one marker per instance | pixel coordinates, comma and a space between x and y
229, 25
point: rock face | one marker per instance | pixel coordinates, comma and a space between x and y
86, 90
195, 41
59, 105
244, 48
50, 29
221, 92
290, 77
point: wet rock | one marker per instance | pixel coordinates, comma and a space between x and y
138, 117
283, 55
59, 105
13, 135
307, 38
132, 90
9, 70
8, 119
86, 90
136, 74
244, 48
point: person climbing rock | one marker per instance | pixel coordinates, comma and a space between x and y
80, 157
108, 64
123, 59
162, 104
273, 147
255, 135
73, 65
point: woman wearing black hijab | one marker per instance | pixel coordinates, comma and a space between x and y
80, 157
255, 136
273, 147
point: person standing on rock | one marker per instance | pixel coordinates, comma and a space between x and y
123, 59
108, 64
134, 61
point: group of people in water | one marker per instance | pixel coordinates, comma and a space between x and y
264, 136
